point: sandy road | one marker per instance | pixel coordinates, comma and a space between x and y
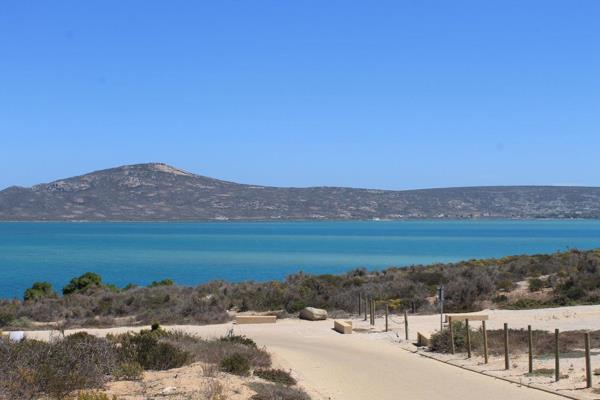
360, 366
354, 367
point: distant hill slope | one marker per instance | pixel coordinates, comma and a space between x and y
161, 192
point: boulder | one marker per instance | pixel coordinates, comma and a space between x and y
313, 314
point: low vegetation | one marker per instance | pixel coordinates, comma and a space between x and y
564, 278
78, 365
270, 391
543, 341
276, 375
236, 364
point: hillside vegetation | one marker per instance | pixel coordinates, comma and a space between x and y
525, 281
78, 366
150, 192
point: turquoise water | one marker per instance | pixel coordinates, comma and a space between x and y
192, 253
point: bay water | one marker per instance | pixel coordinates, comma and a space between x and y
191, 253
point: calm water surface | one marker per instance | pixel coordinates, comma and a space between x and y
192, 253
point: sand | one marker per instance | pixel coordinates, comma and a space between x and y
371, 364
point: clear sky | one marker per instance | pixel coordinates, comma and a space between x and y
382, 94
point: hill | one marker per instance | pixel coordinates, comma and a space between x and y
158, 191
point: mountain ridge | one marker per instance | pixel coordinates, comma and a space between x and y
158, 191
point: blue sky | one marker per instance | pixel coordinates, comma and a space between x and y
386, 94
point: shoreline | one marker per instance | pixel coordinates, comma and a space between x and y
284, 220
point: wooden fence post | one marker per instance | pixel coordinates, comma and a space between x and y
468, 332
359, 304
451, 326
485, 342
588, 366
373, 313
366, 301
506, 360
406, 324
556, 357
530, 345
386, 316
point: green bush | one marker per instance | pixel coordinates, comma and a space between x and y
94, 396
536, 284
505, 285
269, 391
501, 298
39, 290
83, 282
440, 341
151, 350
236, 364
525, 304
295, 305
164, 282
243, 340
7, 316
129, 371
276, 375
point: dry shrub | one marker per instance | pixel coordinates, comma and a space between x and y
129, 371
236, 364
276, 375
93, 396
210, 370
151, 349
571, 277
269, 391
213, 390
441, 343
240, 339
216, 350
31, 368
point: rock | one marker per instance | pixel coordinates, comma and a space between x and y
169, 390
313, 314
16, 336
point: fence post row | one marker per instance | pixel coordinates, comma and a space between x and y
506, 360
587, 343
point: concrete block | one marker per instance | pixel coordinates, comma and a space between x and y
255, 319
343, 327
